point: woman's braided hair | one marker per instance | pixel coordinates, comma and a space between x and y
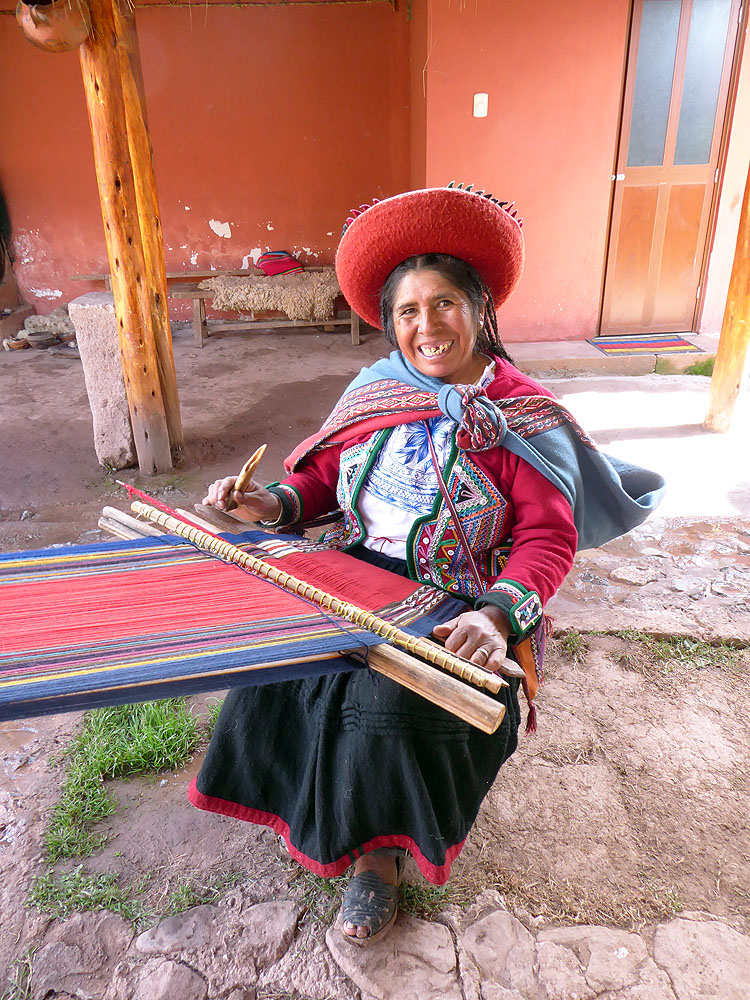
463, 277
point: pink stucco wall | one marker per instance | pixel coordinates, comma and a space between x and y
267, 123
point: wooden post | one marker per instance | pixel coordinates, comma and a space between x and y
100, 66
731, 356
154, 288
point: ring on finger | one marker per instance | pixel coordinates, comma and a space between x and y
483, 651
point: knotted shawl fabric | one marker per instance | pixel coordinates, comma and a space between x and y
607, 495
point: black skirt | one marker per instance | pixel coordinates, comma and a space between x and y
343, 764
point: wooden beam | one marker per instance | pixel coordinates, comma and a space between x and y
731, 355
100, 67
154, 289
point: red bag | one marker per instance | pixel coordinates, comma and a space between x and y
279, 262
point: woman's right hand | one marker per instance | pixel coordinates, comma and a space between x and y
254, 504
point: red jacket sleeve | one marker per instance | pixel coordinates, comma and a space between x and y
314, 482
542, 528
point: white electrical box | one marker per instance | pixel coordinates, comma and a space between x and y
480, 105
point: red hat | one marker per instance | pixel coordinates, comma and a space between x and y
467, 224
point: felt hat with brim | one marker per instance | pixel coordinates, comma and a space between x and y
465, 224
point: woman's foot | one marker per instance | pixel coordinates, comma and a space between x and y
370, 901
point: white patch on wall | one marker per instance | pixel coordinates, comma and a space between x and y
222, 229
187, 208
23, 244
46, 293
269, 227
194, 257
252, 256
329, 234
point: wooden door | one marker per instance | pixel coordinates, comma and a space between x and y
674, 104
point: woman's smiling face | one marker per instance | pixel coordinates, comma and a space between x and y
436, 327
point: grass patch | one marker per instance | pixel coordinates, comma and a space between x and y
572, 646
663, 657
562, 755
705, 367
62, 893
18, 983
321, 897
214, 707
195, 891
566, 902
420, 899
114, 743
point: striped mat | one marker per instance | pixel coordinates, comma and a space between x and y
647, 343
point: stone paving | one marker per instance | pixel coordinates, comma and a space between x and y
246, 952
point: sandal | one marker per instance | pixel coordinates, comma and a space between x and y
370, 902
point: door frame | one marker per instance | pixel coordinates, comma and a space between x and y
627, 87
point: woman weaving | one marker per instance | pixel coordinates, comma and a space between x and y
452, 467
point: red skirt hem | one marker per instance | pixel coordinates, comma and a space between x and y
436, 874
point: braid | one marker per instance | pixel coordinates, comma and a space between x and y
489, 336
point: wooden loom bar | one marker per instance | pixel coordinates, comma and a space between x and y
425, 648
731, 355
100, 67
153, 291
441, 689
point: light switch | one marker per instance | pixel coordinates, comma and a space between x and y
480, 105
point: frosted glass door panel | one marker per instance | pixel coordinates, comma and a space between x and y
708, 37
657, 46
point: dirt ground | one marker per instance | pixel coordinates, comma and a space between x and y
632, 801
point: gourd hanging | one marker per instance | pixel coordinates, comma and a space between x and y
56, 26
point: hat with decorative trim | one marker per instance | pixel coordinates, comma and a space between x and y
455, 220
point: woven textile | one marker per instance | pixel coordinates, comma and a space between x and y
649, 343
129, 621
308, 296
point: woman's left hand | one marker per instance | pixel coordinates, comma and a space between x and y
482, 637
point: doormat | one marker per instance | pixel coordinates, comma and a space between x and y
649, 343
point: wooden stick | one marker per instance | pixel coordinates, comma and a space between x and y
102, 84
246, 474
425, 648
128, 522
116, 528
441, 689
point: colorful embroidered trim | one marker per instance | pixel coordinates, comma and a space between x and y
291, 503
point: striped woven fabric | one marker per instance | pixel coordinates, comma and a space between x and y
128, 621
279, 262
647, 343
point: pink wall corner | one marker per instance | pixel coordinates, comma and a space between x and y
730, 203
553, 73
267, 124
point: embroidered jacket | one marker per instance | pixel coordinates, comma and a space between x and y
495, 492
